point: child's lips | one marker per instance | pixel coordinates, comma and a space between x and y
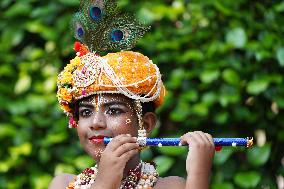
97, 139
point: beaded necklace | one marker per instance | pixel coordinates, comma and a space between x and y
143, 176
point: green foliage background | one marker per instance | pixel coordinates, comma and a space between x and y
222, 63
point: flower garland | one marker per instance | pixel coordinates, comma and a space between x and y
144, 176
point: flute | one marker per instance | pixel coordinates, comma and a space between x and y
143, 141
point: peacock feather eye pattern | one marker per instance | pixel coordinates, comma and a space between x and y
78, 24
96, 13
116, 35
100, 26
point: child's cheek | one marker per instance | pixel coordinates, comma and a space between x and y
125, 127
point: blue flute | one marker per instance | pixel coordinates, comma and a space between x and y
247, 142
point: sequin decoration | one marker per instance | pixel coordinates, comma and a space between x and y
95, 13
89, 72
116, 35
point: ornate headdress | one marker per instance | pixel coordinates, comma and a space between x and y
100, 27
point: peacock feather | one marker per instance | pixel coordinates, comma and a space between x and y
100, 26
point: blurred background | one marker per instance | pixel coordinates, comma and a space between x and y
222, 63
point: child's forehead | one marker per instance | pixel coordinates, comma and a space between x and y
105, 98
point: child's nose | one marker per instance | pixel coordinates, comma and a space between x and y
98, 121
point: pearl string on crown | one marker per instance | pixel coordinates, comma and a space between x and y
95, 66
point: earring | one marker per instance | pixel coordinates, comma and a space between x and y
141, 139
72, 123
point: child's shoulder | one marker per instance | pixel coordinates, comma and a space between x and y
61, 181
170, 182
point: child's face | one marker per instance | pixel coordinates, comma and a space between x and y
105, 115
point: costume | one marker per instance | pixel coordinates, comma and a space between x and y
143, 176
100, 27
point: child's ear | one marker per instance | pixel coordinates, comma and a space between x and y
149, 122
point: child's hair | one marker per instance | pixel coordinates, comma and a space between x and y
148, 107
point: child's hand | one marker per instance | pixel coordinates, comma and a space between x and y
113, 160
201, 152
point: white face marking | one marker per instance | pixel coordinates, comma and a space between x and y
128, 121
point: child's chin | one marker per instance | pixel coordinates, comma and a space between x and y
96, 153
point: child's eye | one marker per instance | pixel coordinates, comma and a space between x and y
85, 113
114, 111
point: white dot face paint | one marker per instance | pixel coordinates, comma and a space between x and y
128, 121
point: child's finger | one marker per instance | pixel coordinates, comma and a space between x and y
203, 137
184, 139
125, 148
210, 138
126, 156
120, 140
198, 141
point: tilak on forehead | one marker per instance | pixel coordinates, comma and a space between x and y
125, 72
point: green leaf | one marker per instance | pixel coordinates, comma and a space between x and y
192, 55
257, 86
181, 112
231, 77
40, 181
221, 117
280, 56
261, 55
146, 154
209, 76
23, 149
53, 138
172, 151
224, 185
190, 95
258, 156
209, 98
18, 9
247, 179
236, 37
70, 2
222, 156
64, 168
177, 76
279, 7
23, 84
82, 162
163, 164
200, 109
5, 165
7, 130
